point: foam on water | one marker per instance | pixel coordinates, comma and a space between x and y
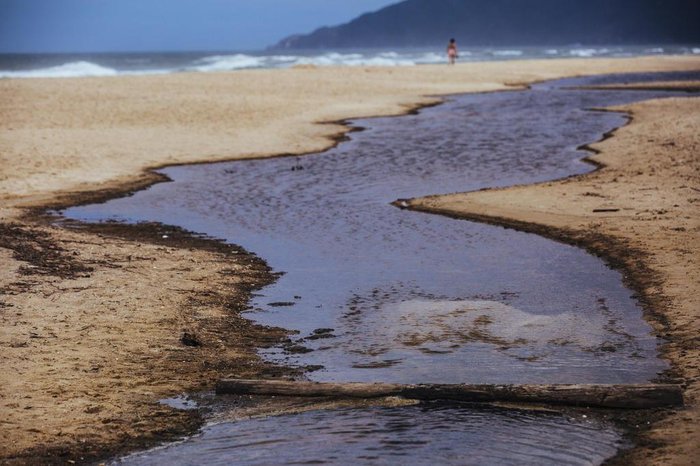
64, 66
508, 53
68, 70
227, 63
233, 62
587, 53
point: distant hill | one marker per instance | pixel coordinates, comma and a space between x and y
513, 22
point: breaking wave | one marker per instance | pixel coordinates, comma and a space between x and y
507, 53
50, 66
68, 70
241, 61
587, 53
227, 63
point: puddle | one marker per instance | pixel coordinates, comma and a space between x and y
383, 294
182, 402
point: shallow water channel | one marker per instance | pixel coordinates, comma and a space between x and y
382, 294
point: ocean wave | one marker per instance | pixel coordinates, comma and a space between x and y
242, 61
587, 53
356, 59
507, 53
68, 70
158, 64
227, 63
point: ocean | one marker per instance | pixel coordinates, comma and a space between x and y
116, 64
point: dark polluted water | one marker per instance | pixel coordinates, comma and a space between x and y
382, 294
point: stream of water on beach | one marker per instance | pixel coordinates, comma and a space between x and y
382, 294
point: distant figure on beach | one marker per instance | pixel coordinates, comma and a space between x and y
452, 51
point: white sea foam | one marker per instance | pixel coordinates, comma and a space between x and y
380, 59
582, 52
158, 64
68, 70
356, 59
242, 61
227, 63
587, 53
507, 53
284, 58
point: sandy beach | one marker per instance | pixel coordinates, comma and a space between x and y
98, 323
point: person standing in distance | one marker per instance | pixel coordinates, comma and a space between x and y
452, 52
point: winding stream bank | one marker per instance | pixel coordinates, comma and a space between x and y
484, 292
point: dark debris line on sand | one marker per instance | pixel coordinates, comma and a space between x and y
36, 243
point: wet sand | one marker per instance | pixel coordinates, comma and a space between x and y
684, 86
99, 325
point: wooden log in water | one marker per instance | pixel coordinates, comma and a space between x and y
602, 396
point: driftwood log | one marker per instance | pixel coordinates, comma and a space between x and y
600, 396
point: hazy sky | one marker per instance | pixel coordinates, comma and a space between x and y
158, 25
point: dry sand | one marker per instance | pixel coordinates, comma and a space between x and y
92, 319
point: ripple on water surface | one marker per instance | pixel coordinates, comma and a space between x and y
424, 434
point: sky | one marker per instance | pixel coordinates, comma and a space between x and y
54, 26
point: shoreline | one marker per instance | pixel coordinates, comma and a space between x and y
25, 211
